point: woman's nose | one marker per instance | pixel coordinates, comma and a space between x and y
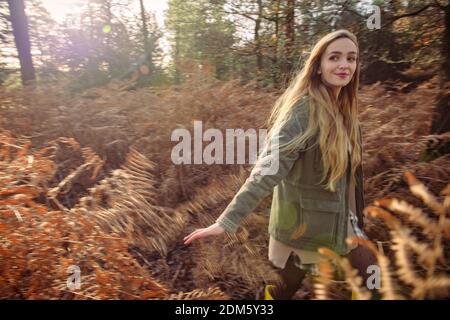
344, 65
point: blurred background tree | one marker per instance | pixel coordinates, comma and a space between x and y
19, 26
200, 37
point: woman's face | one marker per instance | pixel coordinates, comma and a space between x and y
338, 64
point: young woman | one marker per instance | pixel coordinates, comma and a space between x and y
318, 187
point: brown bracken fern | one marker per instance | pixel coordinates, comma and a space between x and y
417, 267
41, 240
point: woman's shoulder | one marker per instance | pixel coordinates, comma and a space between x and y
301, 109
302, 104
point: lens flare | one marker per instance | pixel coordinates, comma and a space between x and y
106, 28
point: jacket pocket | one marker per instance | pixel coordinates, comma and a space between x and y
319, 221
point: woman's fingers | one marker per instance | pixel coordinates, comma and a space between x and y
192, 233
213, 229
200, 233
189, 238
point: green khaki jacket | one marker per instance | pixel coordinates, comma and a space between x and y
303, 214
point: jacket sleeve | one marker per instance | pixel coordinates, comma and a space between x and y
259, 185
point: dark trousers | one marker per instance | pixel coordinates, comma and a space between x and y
291, 280
361, 258
292, 276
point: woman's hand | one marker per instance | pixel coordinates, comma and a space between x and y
212, 230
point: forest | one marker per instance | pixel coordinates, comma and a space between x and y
92, 205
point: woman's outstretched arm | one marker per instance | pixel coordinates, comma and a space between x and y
259, 184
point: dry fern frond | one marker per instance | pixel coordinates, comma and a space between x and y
354, 281
199, 294
389, 288
38, 245
417, 263
324, 280
124, 204
237, 260
416, 215
419, 190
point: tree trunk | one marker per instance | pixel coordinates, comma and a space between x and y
441, 117
257, 40
22, 39
441, 120
177, 56
290, 37
275, 76
147, 48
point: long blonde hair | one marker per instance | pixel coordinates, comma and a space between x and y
337, 119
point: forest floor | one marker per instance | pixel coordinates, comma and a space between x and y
167, 202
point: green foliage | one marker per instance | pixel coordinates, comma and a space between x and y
246, 39
200, 33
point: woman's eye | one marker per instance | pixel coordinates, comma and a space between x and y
351, 59
334, 58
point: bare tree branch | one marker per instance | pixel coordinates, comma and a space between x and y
409, 14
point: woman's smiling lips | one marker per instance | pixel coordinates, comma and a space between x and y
342, 75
